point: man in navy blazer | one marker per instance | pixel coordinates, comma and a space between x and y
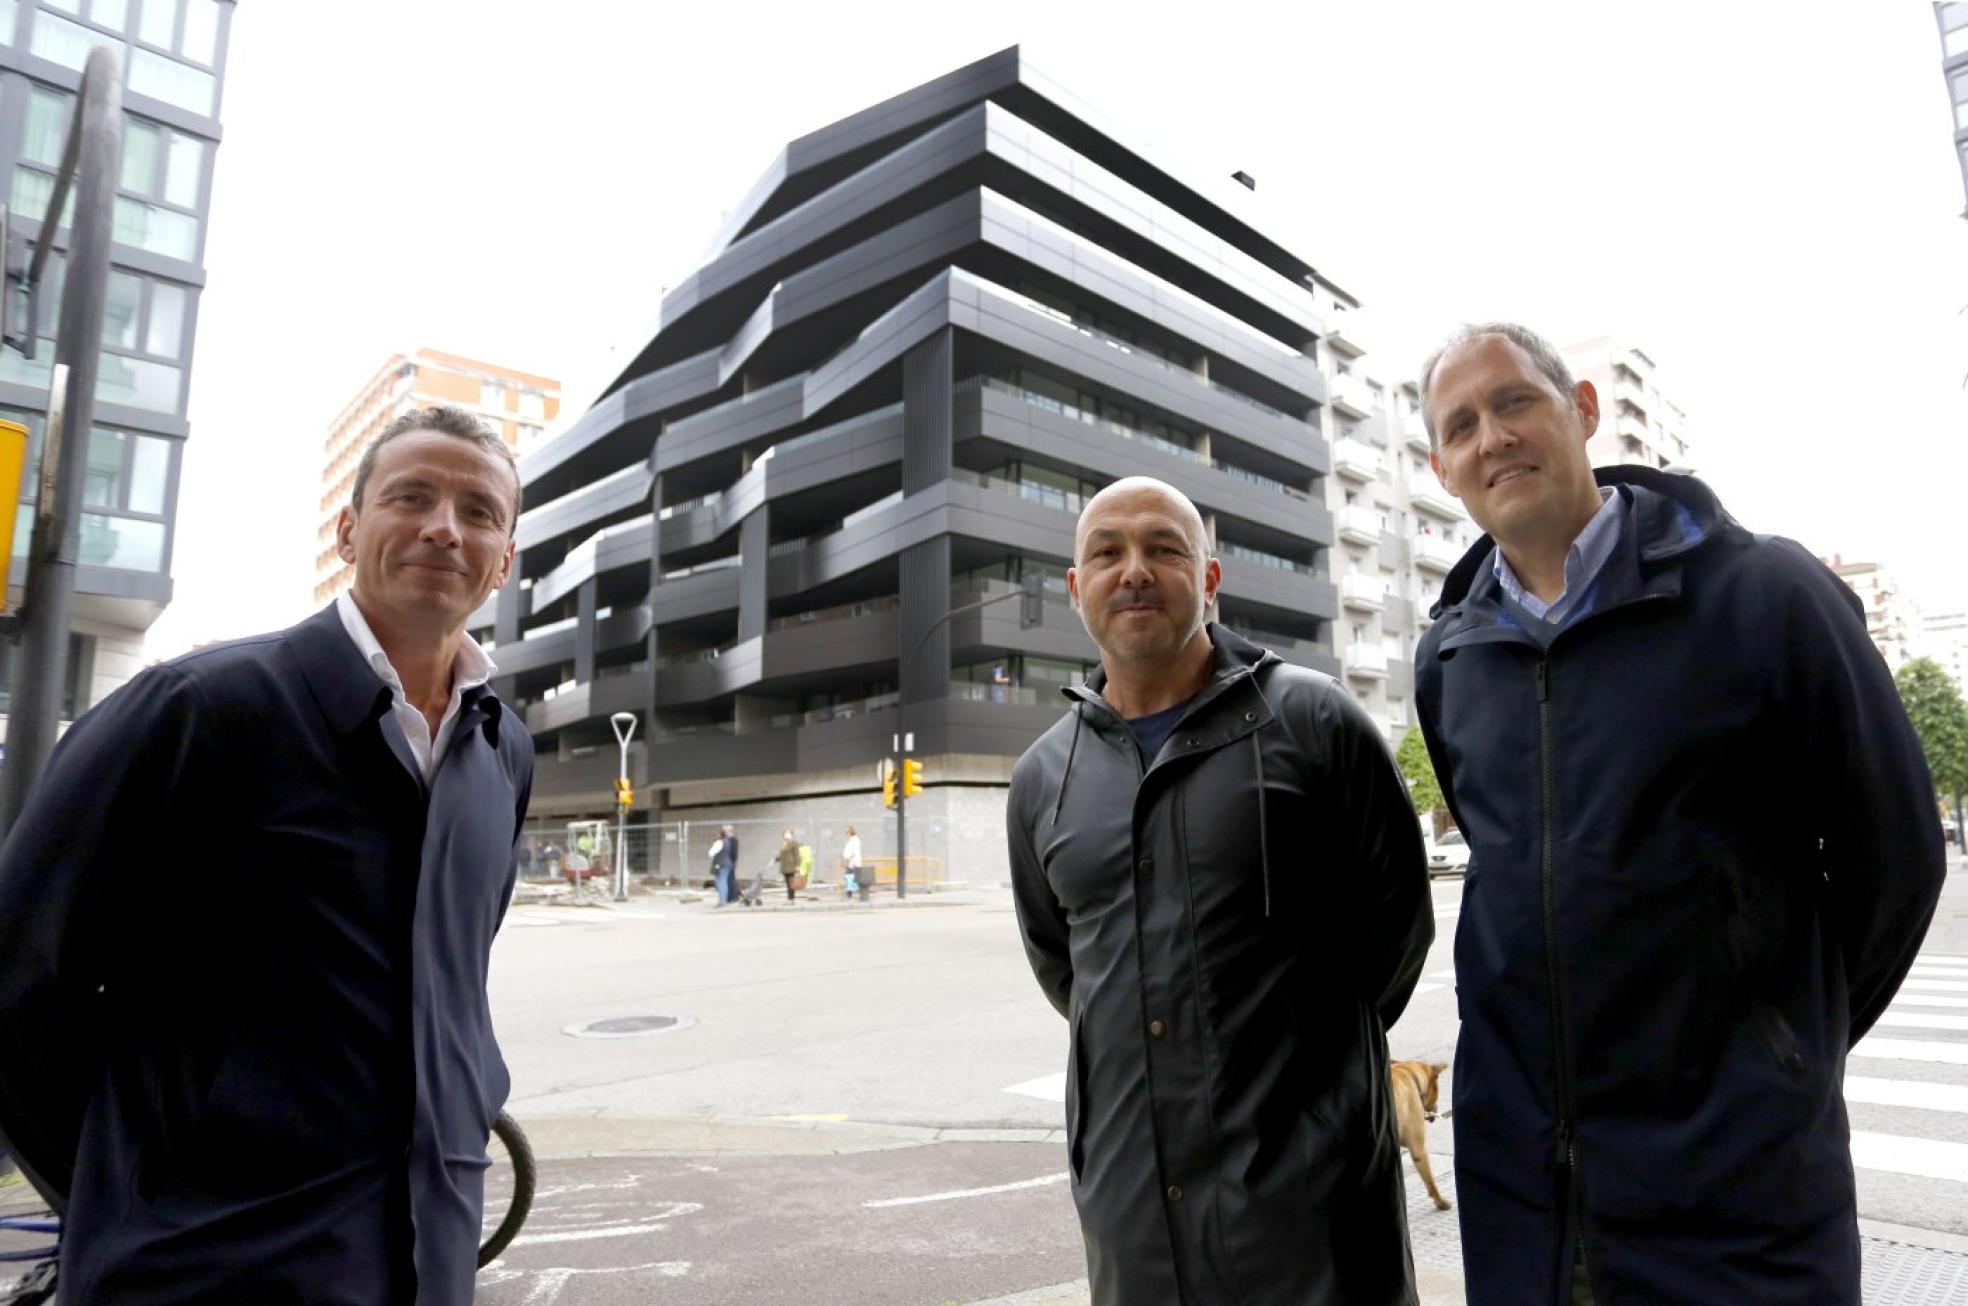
245, 922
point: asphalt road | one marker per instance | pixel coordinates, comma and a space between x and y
861, 1105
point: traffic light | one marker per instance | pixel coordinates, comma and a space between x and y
888, 784
13, 465
624, 792
911, 777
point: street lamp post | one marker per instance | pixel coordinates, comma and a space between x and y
1031, 613
625, 724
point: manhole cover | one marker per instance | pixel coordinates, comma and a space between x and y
629, 1026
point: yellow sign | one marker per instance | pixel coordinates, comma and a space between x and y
13, 464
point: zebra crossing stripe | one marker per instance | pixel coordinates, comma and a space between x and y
1927, 985
1906, 1092
1913, 1156
1910, 1049
1906, 999
1924, 1020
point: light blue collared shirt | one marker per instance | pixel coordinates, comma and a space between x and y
1583, 563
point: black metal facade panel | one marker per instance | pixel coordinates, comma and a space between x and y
928, 383
1287, 591
694, 596
924, 650
754, 541
584, 632
623, 545
624, 493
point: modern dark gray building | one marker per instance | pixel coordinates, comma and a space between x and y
1952, 16
173, 58
926, 336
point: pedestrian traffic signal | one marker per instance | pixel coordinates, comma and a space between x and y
911, 777
1031, 601
888, 784
625, 792
13, 465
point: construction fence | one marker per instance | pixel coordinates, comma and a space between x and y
678, 853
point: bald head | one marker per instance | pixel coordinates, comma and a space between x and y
1132, 495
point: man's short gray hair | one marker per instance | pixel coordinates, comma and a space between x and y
443, 419
1549, 361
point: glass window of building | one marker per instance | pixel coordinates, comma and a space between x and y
184, 170
47, 126
102, 475
157, 22
491, 395
110, 13
66, 6
33, 189
532, 404
201, 31
150, 473
158, 230
165, 332
58, 40
140, 142
128, 543
122, 306
164, 78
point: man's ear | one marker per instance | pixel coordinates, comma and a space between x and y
1212, 581
1441, 473
505, 564
345, 534
1073, 587
1586, 399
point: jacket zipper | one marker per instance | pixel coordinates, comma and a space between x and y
1562, 1083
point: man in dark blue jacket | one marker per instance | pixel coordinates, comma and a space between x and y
267, 1074
1704, 851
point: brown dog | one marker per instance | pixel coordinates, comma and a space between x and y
1414, 1103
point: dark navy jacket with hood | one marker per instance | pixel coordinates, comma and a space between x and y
1704, 850
243, 952
1229, 931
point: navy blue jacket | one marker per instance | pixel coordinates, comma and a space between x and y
1704, 850
243, 953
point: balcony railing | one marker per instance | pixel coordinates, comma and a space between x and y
1354, 460
1244, 553
1426, 494
1358, 524
1435, 553
1366, 661
1350, 394
1365, 592
1112, 427
1343, 331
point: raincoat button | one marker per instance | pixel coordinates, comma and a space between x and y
1157, 1028
1175, 1192
1250, 716
1146, 866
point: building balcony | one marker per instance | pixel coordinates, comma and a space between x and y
1629, 427
1366, 662
1343, 332
1354, 460
1630, 392
1426, 494
1416, 435
1358, 524
1363, 593
1435, 553
1350, 394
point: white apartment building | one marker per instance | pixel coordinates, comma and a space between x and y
1893, 619
1945, 639
1397, 531
1637, 423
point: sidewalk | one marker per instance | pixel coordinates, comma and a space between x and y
1438, 1288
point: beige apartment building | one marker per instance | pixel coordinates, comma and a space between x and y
1893, 619
517, 405
1397, 531
1637, 423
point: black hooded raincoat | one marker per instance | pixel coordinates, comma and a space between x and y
1228, 933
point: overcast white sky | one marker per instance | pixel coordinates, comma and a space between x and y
1767, 205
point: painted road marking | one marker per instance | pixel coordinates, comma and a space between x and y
1448, 974
1906, 1092
1909, 1049
1040, 1182
663, 1211
1925, 984
1915, 1156
1924, 1020
1427, 988
1906, 999
1047, 1088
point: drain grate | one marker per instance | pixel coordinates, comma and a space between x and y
1895, 1273
629, 1026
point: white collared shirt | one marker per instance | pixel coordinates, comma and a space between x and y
472, 668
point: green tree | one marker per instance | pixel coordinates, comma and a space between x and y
1419, 771
1940, 717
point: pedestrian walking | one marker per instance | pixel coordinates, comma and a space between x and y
279, 1087
854, 876
1703, 854
1221, 887
724, 866
788, 861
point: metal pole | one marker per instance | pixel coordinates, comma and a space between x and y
625, 724
95, 144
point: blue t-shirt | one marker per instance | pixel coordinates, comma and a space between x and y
1151, 731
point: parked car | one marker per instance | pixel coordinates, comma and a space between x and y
1448, 855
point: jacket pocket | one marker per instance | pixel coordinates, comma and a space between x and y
1777, 1037
1075, 1102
